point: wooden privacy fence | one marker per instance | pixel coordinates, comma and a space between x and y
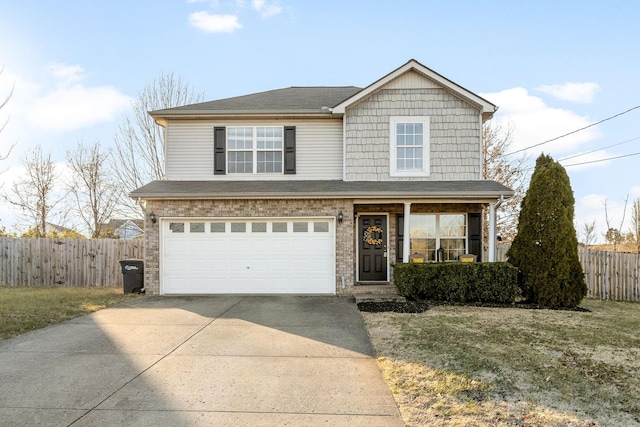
611, 275
65, 262
608, 275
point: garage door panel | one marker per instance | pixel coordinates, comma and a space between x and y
247, 256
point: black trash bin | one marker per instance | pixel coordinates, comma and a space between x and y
133, 275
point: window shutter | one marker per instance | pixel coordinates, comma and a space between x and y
219, 150
399, 238
475, 235
289, 149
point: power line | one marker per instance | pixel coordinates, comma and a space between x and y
601, 160
575, 131
598, 149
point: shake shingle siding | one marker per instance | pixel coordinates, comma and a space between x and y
455, 134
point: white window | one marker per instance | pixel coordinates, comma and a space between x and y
409, 146
254, 149
432, 232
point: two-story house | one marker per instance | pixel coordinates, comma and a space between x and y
318, 190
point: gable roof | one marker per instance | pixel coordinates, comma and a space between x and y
296, 99
313, 100
485, 106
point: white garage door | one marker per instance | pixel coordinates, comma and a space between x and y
248, 256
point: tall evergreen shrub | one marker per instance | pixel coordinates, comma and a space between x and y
545, 250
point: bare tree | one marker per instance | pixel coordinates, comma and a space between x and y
140, 143
589, 233
94, 191
3, 125
505, 170
34, 195
634, 232
613, 235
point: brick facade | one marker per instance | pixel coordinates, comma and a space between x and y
345, 251
345, 231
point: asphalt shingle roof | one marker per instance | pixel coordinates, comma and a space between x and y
292, 99
321, 189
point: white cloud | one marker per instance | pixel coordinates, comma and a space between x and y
535, 122
634, 192
66, 73
211, 23
575, 92
265, 9
75, 107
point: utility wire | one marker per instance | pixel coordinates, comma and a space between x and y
598, 149
601, 160
575, 131
592, 161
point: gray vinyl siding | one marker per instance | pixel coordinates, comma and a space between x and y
455, 134
189, 152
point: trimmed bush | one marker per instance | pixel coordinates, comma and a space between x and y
492, 282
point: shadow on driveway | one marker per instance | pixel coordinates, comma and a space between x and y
199, 360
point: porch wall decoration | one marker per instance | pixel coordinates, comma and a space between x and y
371, 235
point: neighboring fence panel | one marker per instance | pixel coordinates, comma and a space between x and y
608, 275
65, 262
611, 275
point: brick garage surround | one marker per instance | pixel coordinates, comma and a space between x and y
345, 252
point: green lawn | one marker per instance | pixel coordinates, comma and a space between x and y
471, 366
26, 309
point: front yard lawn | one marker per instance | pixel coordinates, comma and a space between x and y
25, 309
473, 366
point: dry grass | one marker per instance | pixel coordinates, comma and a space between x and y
25, 309
470, 366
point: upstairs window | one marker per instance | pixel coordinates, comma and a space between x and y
254, 149
409, 146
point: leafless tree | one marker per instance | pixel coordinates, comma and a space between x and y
509, 171
634, 232
140, 144
92, 187
35, 195
589, 233
613, 235
4, 124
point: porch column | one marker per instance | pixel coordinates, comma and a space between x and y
492, 232
405, 243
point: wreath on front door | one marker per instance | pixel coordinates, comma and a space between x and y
369, 237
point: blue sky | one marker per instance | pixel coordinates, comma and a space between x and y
552, 67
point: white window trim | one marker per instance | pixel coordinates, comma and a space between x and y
393, 163
438, 237
255, 150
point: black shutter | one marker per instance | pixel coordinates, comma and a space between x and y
289, 149
475, 235
219, 151
399, 238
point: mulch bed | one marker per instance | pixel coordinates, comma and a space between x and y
394, 306
422, 306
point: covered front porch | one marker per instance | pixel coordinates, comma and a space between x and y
436, 231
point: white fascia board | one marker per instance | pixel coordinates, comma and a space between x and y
486, 106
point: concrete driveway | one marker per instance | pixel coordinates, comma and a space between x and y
184, 361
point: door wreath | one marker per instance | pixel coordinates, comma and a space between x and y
369, 237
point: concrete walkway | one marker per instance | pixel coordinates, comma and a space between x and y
185, 361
